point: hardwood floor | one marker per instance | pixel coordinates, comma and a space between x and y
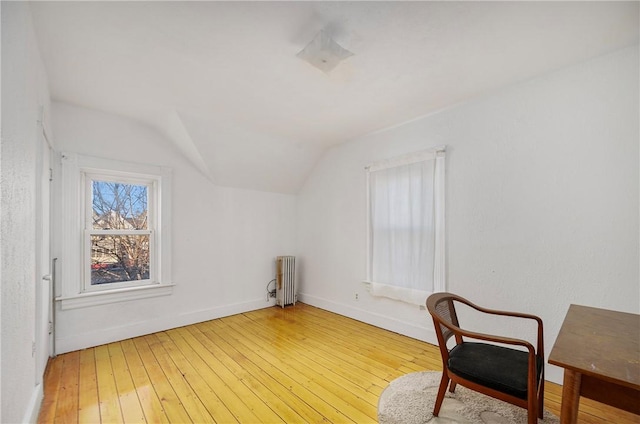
298, 364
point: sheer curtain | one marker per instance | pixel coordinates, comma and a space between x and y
406, 226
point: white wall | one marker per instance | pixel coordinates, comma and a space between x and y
24, 92
224, 240
542, 202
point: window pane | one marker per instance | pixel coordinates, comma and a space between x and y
119, 258
119, 206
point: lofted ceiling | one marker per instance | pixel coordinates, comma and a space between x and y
222, 81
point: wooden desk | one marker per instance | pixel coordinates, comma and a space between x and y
600, 353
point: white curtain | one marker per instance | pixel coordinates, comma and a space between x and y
406, 226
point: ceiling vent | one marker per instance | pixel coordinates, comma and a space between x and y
324, 53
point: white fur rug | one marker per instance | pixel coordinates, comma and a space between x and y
409, 400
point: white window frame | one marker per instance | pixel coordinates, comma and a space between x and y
152, 182
416, 297
77, 172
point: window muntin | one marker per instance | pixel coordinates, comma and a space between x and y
120, 217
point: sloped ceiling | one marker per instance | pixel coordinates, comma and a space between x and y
222, 80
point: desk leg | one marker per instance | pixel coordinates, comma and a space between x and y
570, 397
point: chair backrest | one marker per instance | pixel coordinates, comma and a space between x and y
442, 309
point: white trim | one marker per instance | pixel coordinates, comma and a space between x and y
94, 298
411, 296
439, 261
368, 247
97, 165
71, 235
410, 329
153, 184
407, 159
107, 335
120, 232
73, 239
33, 407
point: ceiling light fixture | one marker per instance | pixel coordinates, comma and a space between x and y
324, 53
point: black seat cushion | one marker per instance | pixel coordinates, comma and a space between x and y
497, 367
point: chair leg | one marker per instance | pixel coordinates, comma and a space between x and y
532, 417
532, 410
444, 382
452, 386
541, 399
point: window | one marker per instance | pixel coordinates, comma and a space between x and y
115, 231
119, 231
406, 226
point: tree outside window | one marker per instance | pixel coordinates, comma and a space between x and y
120, 236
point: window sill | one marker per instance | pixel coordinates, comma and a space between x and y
411, 296
86, 300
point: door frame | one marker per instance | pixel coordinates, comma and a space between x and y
42, 346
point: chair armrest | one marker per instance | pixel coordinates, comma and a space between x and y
493, 338
505, 313
540, 339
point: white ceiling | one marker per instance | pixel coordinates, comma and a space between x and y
222, 80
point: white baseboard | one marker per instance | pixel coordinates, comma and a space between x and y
409, 329
113, 334
33, 408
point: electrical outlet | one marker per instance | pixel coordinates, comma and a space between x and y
357, 296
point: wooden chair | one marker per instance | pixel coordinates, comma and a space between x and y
512, 375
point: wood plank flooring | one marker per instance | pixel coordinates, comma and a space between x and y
295, 365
